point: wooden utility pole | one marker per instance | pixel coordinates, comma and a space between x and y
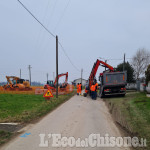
30, 73
105, 66
81, 75
47, 76
124, 62
20, 73
54, 76
57, 66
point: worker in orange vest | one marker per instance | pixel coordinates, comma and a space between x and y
93, 88
96, 88
78, 89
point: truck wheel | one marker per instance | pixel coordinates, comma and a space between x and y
123, 95
85, 94
102, 95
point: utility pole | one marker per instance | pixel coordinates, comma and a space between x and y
47, 76
54, 76
105, 66
81, 75
124, 62
20, 73
30, 73
57, 66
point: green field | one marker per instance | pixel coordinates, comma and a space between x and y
135, 110
25, 108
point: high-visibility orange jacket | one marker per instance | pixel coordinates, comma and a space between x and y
96, 86
92, 88
79, 86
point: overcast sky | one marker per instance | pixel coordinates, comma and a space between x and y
87, 29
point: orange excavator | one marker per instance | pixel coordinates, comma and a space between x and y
52, 85
15, 83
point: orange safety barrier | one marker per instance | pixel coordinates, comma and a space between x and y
39, 90
32, 91
62, 91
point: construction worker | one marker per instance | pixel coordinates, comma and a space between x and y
81, 86
96, 88
93, 91
78, 89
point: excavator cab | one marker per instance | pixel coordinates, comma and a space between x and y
20, 81
50, 83
16, 81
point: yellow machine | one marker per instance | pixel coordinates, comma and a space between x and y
15, 83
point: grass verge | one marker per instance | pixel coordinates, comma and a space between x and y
133, 113
4, 136
25, 108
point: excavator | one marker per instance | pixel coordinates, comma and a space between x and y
15, 83
52, 85
111, 81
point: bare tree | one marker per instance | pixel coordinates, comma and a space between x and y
140, 62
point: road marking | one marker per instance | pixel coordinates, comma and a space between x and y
14, 124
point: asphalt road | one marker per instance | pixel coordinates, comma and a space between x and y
79, 117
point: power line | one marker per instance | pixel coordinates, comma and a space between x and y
46, 10
36, 19
62, 15
44, 18
68, 57
120, 58
51, 15
110, 59
49, 33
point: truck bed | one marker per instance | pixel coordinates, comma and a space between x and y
113, 83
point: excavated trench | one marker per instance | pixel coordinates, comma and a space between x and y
119, 118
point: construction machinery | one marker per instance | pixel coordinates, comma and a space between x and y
15, 83
52, 85
63, 88
111, 81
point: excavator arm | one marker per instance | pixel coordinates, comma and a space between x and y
95, 68
13, 78
60, 75
8, 80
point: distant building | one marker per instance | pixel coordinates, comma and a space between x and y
76, 81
